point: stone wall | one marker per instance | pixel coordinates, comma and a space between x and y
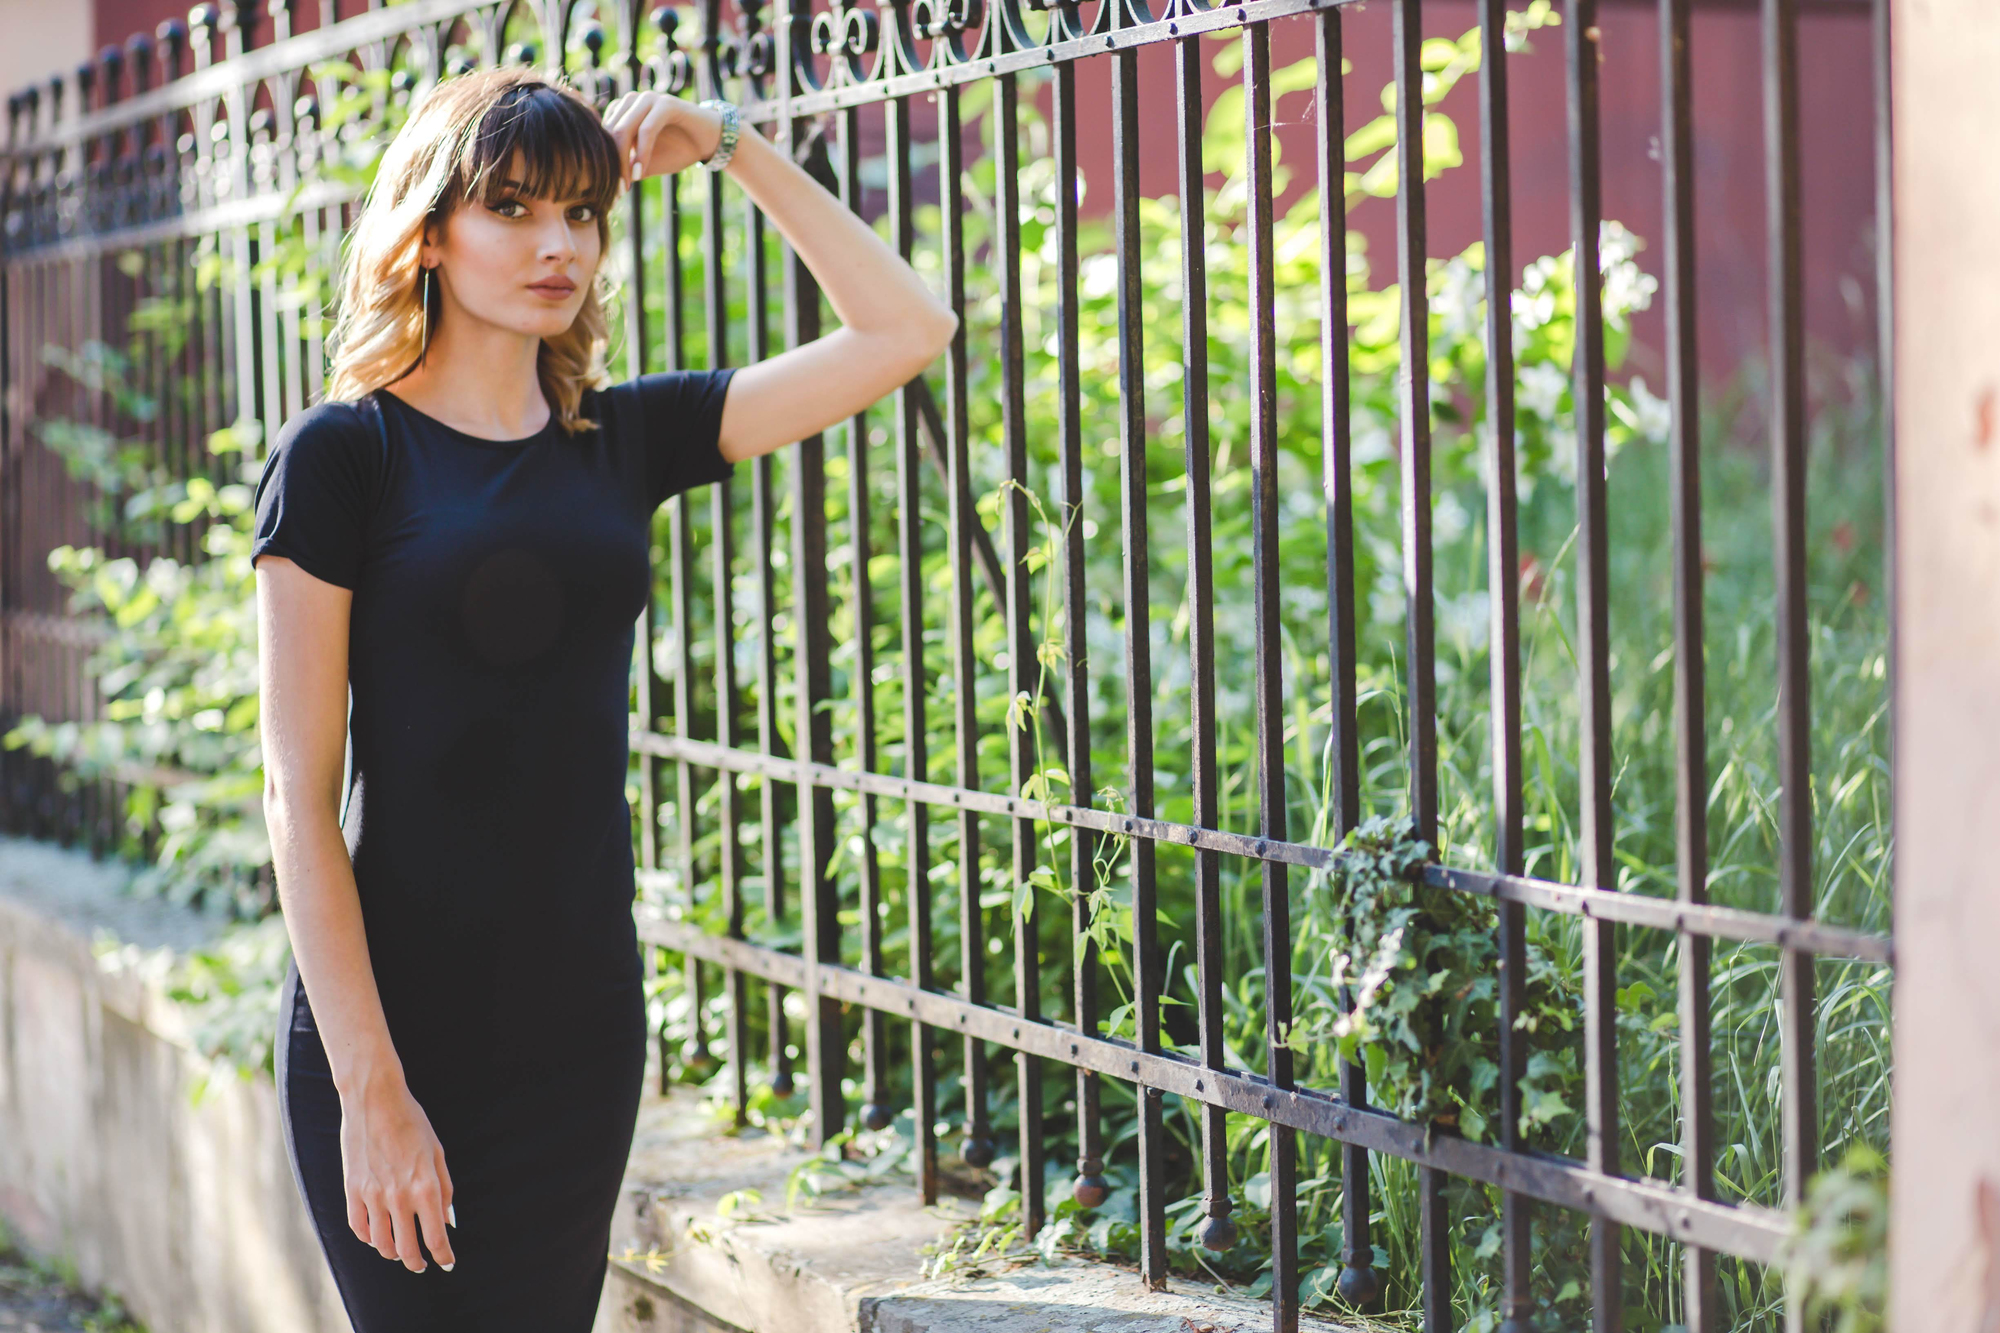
122, 1150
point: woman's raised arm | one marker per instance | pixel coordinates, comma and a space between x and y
393, 1163
892, 325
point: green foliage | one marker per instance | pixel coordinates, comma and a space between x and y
231, 989
991, 1239
177, 674
182, 660
177, 670
1422, 967
1838, 1261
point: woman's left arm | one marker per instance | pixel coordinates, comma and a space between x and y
891, 324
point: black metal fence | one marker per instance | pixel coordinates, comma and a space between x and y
198, 144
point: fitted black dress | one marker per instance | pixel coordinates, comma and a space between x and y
497, 585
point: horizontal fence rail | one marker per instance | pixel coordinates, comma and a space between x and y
217, 141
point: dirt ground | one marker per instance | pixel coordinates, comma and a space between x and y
36, 1299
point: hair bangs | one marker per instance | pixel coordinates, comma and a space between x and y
536, 141
479, 137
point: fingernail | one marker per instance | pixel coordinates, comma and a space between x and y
450, 1216
447, 1267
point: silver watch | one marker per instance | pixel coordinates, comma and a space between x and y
730, 122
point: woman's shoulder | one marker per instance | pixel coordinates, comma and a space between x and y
343, 425
330, 447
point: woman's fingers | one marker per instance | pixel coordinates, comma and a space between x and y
623, 116
616, 112
357, 1217
381, 1230
407, 1249
657, 119
430, 1215
444, 1181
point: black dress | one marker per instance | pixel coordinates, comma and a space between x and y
497, 585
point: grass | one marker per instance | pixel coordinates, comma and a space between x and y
1850, 860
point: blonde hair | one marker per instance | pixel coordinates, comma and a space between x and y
458, 145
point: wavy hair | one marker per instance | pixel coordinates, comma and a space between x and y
457, 145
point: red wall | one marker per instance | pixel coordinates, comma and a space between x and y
1837, 154
1837, 151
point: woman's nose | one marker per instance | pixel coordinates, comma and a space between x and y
557, 243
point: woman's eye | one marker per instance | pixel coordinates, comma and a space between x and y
509, 208
584, 213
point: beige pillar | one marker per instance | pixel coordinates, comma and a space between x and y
1945, 1261
41, 39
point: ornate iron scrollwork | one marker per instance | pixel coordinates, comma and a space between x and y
848, 34
669, 70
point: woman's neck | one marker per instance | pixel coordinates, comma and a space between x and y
479, 379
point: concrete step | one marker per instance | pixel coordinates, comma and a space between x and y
849, 1260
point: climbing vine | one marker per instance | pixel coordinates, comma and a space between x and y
1420, 966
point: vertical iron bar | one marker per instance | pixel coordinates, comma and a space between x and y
1023, 668
729, 813
1414, 405
1270, 687
264, 295
1146, 966
812, 726
645, 631
683, 599
1885, 330
978, 1148
1593, 613
1700, 1311
636, 352
876, 1112
728, 705
730, 860
763, 506
910, 552
1421, 688
1091, 1187
1503, 581
1218, 1232
715, 301
1359, 1285
1788, 502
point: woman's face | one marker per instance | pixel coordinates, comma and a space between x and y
518, 263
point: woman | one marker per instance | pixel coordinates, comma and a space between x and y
461, 535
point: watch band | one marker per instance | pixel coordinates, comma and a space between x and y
730, 124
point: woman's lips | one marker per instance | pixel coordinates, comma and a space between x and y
553, 287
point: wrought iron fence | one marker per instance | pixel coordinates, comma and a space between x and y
213, 139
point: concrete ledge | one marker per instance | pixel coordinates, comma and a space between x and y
1073, 1297
850, 1261
804, 1271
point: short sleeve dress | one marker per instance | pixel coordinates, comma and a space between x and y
497, 587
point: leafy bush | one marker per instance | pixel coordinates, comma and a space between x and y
179, 675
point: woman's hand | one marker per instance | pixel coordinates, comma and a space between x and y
395, 1173
659, 134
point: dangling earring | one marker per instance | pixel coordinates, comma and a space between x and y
427, 317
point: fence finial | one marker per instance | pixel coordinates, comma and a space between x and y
110, 62
173, 38
139, 51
